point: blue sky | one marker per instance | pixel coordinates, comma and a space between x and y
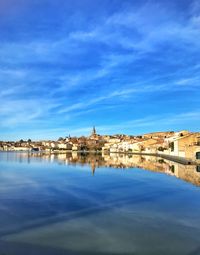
124, 66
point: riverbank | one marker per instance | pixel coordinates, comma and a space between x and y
176, 159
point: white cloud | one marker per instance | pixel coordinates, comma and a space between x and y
186, 81
146, 30
137, 126
129, 38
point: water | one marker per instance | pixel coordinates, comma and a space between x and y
94, 205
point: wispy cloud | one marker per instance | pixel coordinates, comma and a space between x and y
146, 33
139, 126
193, 81
79, 68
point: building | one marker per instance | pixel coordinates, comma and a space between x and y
187, 146
64, 146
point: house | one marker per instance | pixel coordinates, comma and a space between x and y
136, 147
64, 146
21, 148
75, 147
187, 146
158, 134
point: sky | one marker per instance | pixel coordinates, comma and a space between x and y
125, 66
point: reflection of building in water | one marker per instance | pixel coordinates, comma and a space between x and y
93, 167
189, 173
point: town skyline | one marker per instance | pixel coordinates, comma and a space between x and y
182, 146
91, 132
129, 67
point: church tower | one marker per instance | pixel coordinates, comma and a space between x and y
93, 131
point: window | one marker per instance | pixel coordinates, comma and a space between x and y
172, 168
171, 146
198, 155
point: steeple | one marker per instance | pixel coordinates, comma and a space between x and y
93, 167
94, 131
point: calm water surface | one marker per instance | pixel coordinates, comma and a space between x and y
73, 204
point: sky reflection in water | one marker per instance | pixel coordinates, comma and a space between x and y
72, 204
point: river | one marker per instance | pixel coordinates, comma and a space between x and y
97, 205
